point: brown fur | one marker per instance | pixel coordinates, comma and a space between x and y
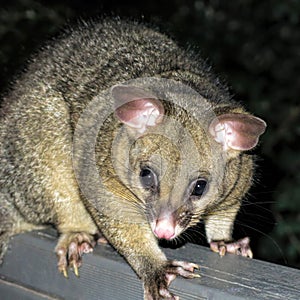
40, 116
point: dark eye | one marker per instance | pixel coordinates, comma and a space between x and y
199, 187
148, 178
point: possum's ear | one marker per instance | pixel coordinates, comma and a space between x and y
136, 107
237, 131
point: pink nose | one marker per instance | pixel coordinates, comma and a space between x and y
164, 229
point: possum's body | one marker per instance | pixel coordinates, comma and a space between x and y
40, 187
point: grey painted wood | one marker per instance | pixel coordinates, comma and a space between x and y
29, 272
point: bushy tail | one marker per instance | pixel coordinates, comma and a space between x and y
6, 226
4, 239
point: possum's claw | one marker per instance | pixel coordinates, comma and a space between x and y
240, 247
65, 272
75, 268
157, 287
62, 261
70, 249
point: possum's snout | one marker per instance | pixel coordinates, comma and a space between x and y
165, 227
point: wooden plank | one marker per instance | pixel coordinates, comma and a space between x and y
29, 272
14, 291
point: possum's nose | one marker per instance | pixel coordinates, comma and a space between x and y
165, 228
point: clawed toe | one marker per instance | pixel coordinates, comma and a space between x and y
185, 265
70, 249
240, 247
157, 287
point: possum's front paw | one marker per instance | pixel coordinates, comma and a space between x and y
70, 248
240, 247
156, 286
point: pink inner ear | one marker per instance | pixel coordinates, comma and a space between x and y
237, 131
140, 114
137, 108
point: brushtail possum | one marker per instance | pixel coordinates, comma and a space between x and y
114, 129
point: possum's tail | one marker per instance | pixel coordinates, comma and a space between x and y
6, 226
4, 239
11, 223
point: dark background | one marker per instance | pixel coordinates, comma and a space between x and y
253, 45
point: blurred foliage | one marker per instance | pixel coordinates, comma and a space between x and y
254, 45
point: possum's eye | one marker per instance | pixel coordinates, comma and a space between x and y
199, 187
148, 178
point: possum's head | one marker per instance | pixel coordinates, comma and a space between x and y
181, 168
